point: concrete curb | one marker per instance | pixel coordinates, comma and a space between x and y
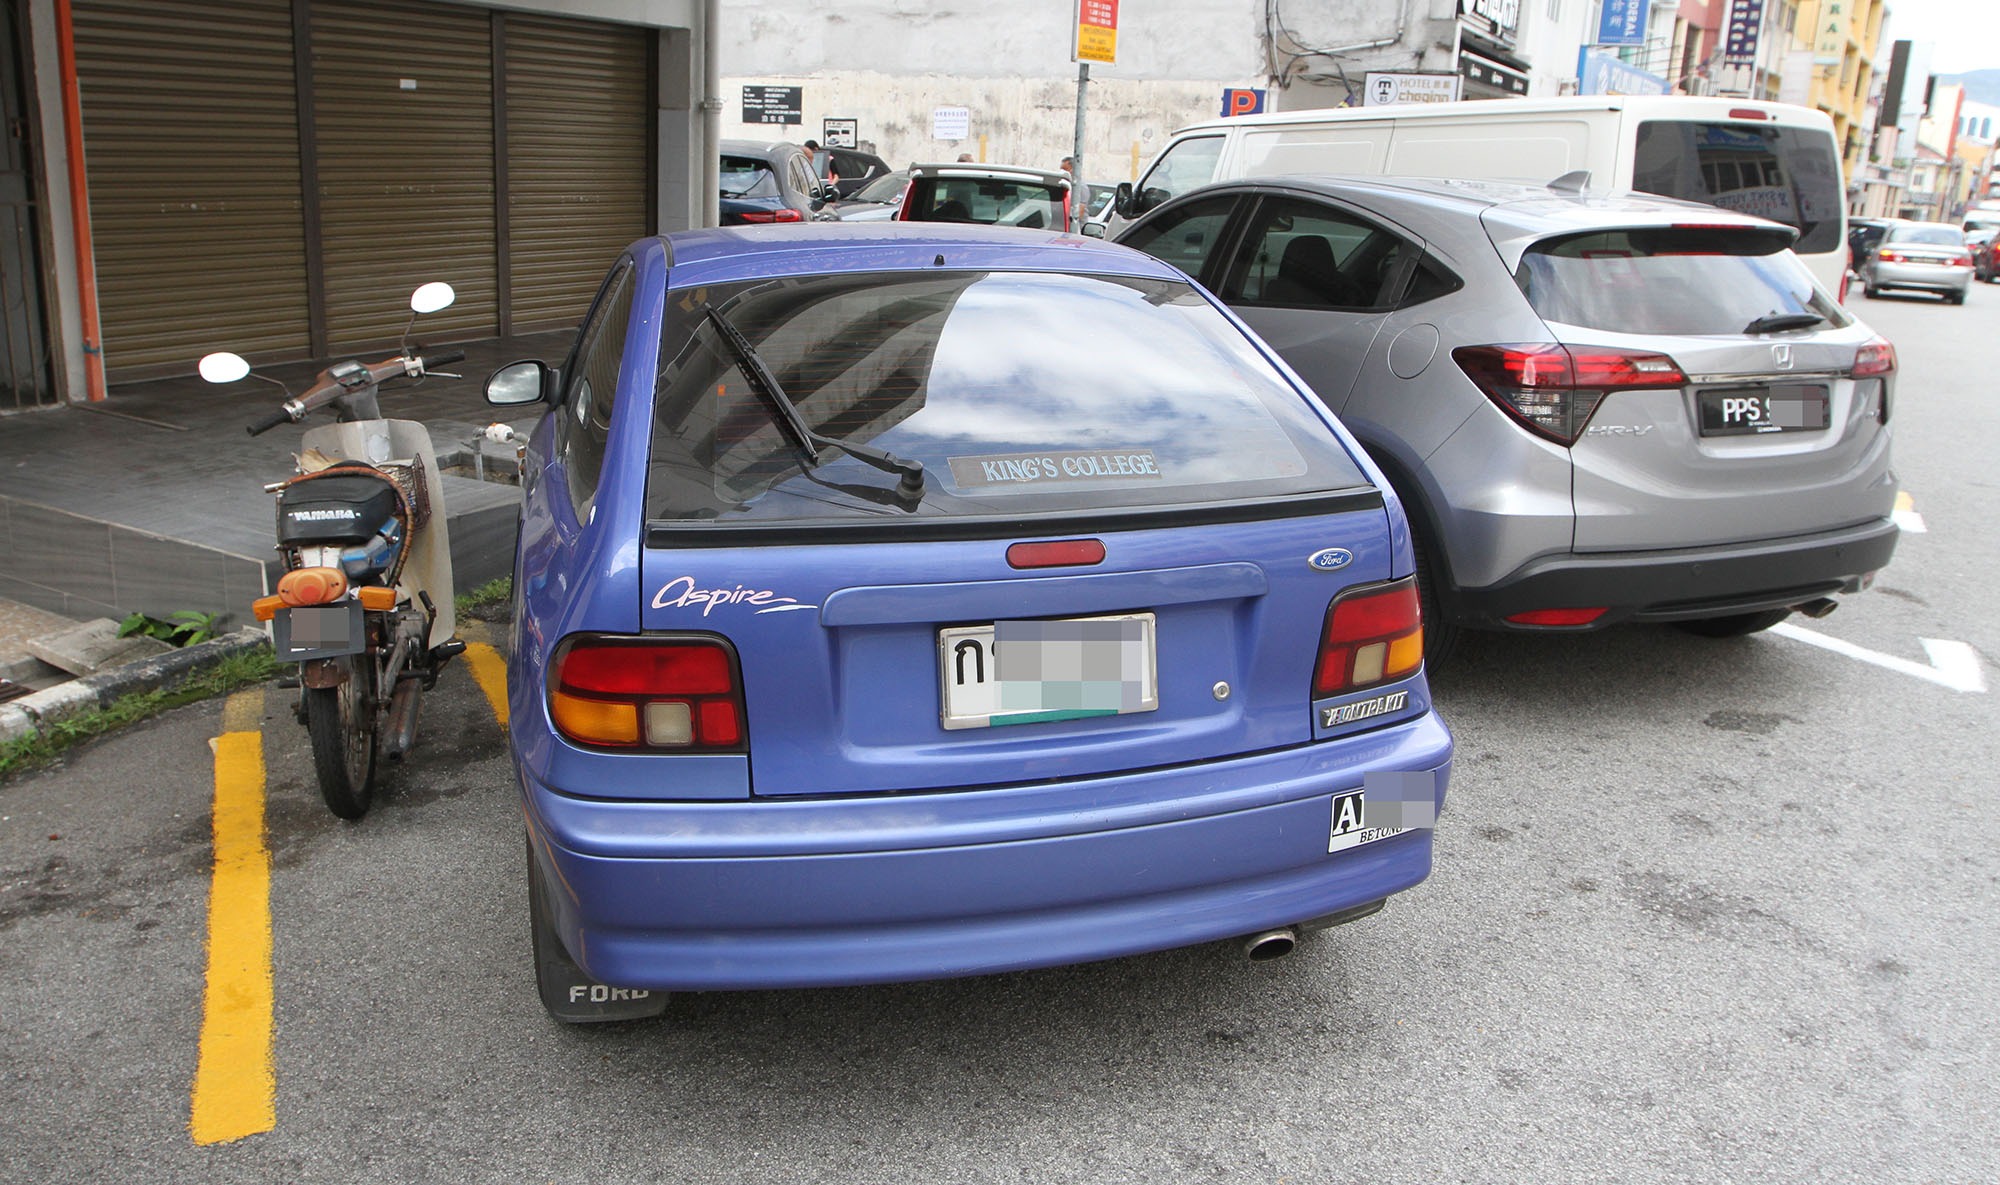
26, 715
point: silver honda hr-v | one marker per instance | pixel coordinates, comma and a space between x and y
1597, 410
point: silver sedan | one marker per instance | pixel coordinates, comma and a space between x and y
1924, 256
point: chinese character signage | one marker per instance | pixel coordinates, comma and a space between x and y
774, 104
1097, 30
1622, 22
1601, 74
1388, 90
1739, 39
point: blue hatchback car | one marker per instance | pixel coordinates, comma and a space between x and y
901, 602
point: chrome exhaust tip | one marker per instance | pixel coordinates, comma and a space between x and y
1817, 609
1270, 944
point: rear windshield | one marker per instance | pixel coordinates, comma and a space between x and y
1670, 280
1927, 236
1787, 174
1133, 393
1029, 204
748, 176
886, 188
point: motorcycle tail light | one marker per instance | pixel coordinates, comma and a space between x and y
1553, 389
312, 586
677, 694
1373, 634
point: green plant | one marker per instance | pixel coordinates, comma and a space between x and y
182, 628
497, 591
229, 673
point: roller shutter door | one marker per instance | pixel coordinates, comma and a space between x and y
403, 116
578, 160
192, 149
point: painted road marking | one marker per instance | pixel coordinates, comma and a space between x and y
1953, 664
1905, 515
489, 670
233, 1083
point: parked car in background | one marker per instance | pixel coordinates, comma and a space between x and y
886, 490
1980, 243
769, 183
1920, 257
876, 201
1596, 409
996, 195
855, 169
1862, 235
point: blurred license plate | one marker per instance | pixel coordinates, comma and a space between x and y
1781, 407
318, 631
1031, 672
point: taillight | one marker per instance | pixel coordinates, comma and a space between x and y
1889, 256
1374, 634
772, 216
1962, 261
1877, 357
1552, 388
676, 694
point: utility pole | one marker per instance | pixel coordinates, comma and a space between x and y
1076, 151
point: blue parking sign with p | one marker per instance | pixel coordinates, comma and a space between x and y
1242, 101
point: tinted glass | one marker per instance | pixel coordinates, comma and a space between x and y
586, 418
1185, 236
1927, 236
1307, 255
1669, 281
994, 202
1787, 174
886, 188
1187, 165
748, 176
1136, 393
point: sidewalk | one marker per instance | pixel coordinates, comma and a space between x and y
153, 500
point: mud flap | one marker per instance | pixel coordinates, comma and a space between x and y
568, 992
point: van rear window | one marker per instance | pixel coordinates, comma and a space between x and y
1020, 394
1670, 280
1787, 174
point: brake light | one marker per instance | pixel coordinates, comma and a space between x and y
1748, 113
1962, 261
1877, 357
647, 693
1553, 389
1889, 256
1374, 634
772, 216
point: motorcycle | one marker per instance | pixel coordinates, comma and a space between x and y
365, 602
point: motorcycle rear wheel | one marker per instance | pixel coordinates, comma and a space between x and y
342, 726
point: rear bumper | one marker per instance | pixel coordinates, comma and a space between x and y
1927, 277
1686, 583
789, 893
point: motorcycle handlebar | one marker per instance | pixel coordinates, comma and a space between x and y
433, 361
281, 416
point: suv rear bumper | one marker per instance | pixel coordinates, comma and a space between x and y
1685, 583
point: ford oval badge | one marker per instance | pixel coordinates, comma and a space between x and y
1330, 559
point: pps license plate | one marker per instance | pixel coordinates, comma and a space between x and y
318, 631
1781, 407
1032, 672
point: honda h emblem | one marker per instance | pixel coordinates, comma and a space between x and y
1781, 356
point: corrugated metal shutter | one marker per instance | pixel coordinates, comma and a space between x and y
578, 154
405, 171
192, 152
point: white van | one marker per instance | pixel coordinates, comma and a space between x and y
1774, 160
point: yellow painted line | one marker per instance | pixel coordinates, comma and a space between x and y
234, 1088
1905, 514
489, 670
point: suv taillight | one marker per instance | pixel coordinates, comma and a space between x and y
1552, 388
1374, 634
670, 694
772, 216
1877, 357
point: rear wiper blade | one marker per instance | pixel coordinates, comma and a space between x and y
1779, 322
809, 441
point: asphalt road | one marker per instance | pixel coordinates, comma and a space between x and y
1703, 911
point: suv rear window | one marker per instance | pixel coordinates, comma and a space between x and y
1787, 174
992, 202
748, 176
1137, 394
1674, 280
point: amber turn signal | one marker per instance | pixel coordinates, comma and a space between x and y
267, 607
377, 599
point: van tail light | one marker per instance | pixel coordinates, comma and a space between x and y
772, 216
677, 694
1374, 634
1553, 389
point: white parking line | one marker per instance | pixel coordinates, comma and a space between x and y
1953, 664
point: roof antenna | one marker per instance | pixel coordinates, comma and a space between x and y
938, 262
1574, 181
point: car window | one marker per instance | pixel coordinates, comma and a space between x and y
1138, 394
1033, 205
1185, 236
1787, 174
1928, 236
1308, 255
593, 387
1187, 165
886, 188
1670, 280
800, 170
747, 176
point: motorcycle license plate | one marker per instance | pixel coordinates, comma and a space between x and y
318, 631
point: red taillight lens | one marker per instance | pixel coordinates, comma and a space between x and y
772, 216
1552, 388
1877, 357
1373, 634
1557, 616
1962, 261
1889, 256
649, 693
1056, 554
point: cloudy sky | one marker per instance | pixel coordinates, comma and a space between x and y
1964, 34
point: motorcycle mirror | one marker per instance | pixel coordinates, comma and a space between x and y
223, 367
431, 297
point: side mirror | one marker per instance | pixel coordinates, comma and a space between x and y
223, 367
431, 297
1093, 230
517, 383
1122, 203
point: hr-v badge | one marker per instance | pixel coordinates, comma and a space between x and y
1329, 559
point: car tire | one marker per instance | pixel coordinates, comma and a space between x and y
1869, 290
1441, 638
1957, 297
1736, 625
